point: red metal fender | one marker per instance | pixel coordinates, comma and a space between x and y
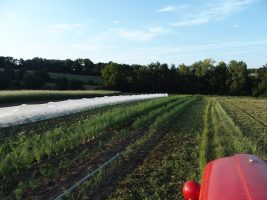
242, 177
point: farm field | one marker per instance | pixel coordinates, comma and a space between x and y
85, 79
160, 143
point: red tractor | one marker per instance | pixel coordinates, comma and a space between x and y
240, 177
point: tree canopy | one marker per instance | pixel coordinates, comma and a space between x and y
202, 77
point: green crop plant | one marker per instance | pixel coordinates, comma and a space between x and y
66, 163
61, 139
221, 136
142, 121
162, 120
236, 141
163, 143
103, 143
170, 161
22, 187
249, 115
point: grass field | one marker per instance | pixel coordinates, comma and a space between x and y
97, 80
85, 79
19, 96
161, 144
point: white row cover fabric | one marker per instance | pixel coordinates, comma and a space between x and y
15, 115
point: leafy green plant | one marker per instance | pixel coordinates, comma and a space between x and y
26, 151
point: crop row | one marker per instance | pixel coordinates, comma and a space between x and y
251, 128
132, 155
221, 136
255, 108
119, 117
29, 150
176, 158
15, 115
162, 143
118, 142
10, 134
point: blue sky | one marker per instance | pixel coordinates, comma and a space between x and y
135, 31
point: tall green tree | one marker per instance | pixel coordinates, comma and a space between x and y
218, 79
262, 77
115, 77
238, 78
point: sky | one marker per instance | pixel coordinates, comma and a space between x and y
135, 31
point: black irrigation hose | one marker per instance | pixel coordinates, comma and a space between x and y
68, 191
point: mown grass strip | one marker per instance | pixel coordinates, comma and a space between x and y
204, 146
252, 129
169, 163
221, 137
236, 142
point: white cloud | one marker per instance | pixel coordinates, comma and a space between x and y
156, 29
204, 47
136, 35
210, 12
190, 53
191, 22
64, 27
169, 8
140, 35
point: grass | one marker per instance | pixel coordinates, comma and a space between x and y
251, 126
157, 128
24, 156
20, 96
85, 79
125, 133
221, 136
162, 173
24, 152
255, 108
162, 142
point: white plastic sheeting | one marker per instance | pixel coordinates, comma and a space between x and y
30, 113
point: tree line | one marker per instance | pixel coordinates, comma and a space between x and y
202, 77
11, 79
33, 73
68, 66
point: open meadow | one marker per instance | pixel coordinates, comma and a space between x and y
154, 146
